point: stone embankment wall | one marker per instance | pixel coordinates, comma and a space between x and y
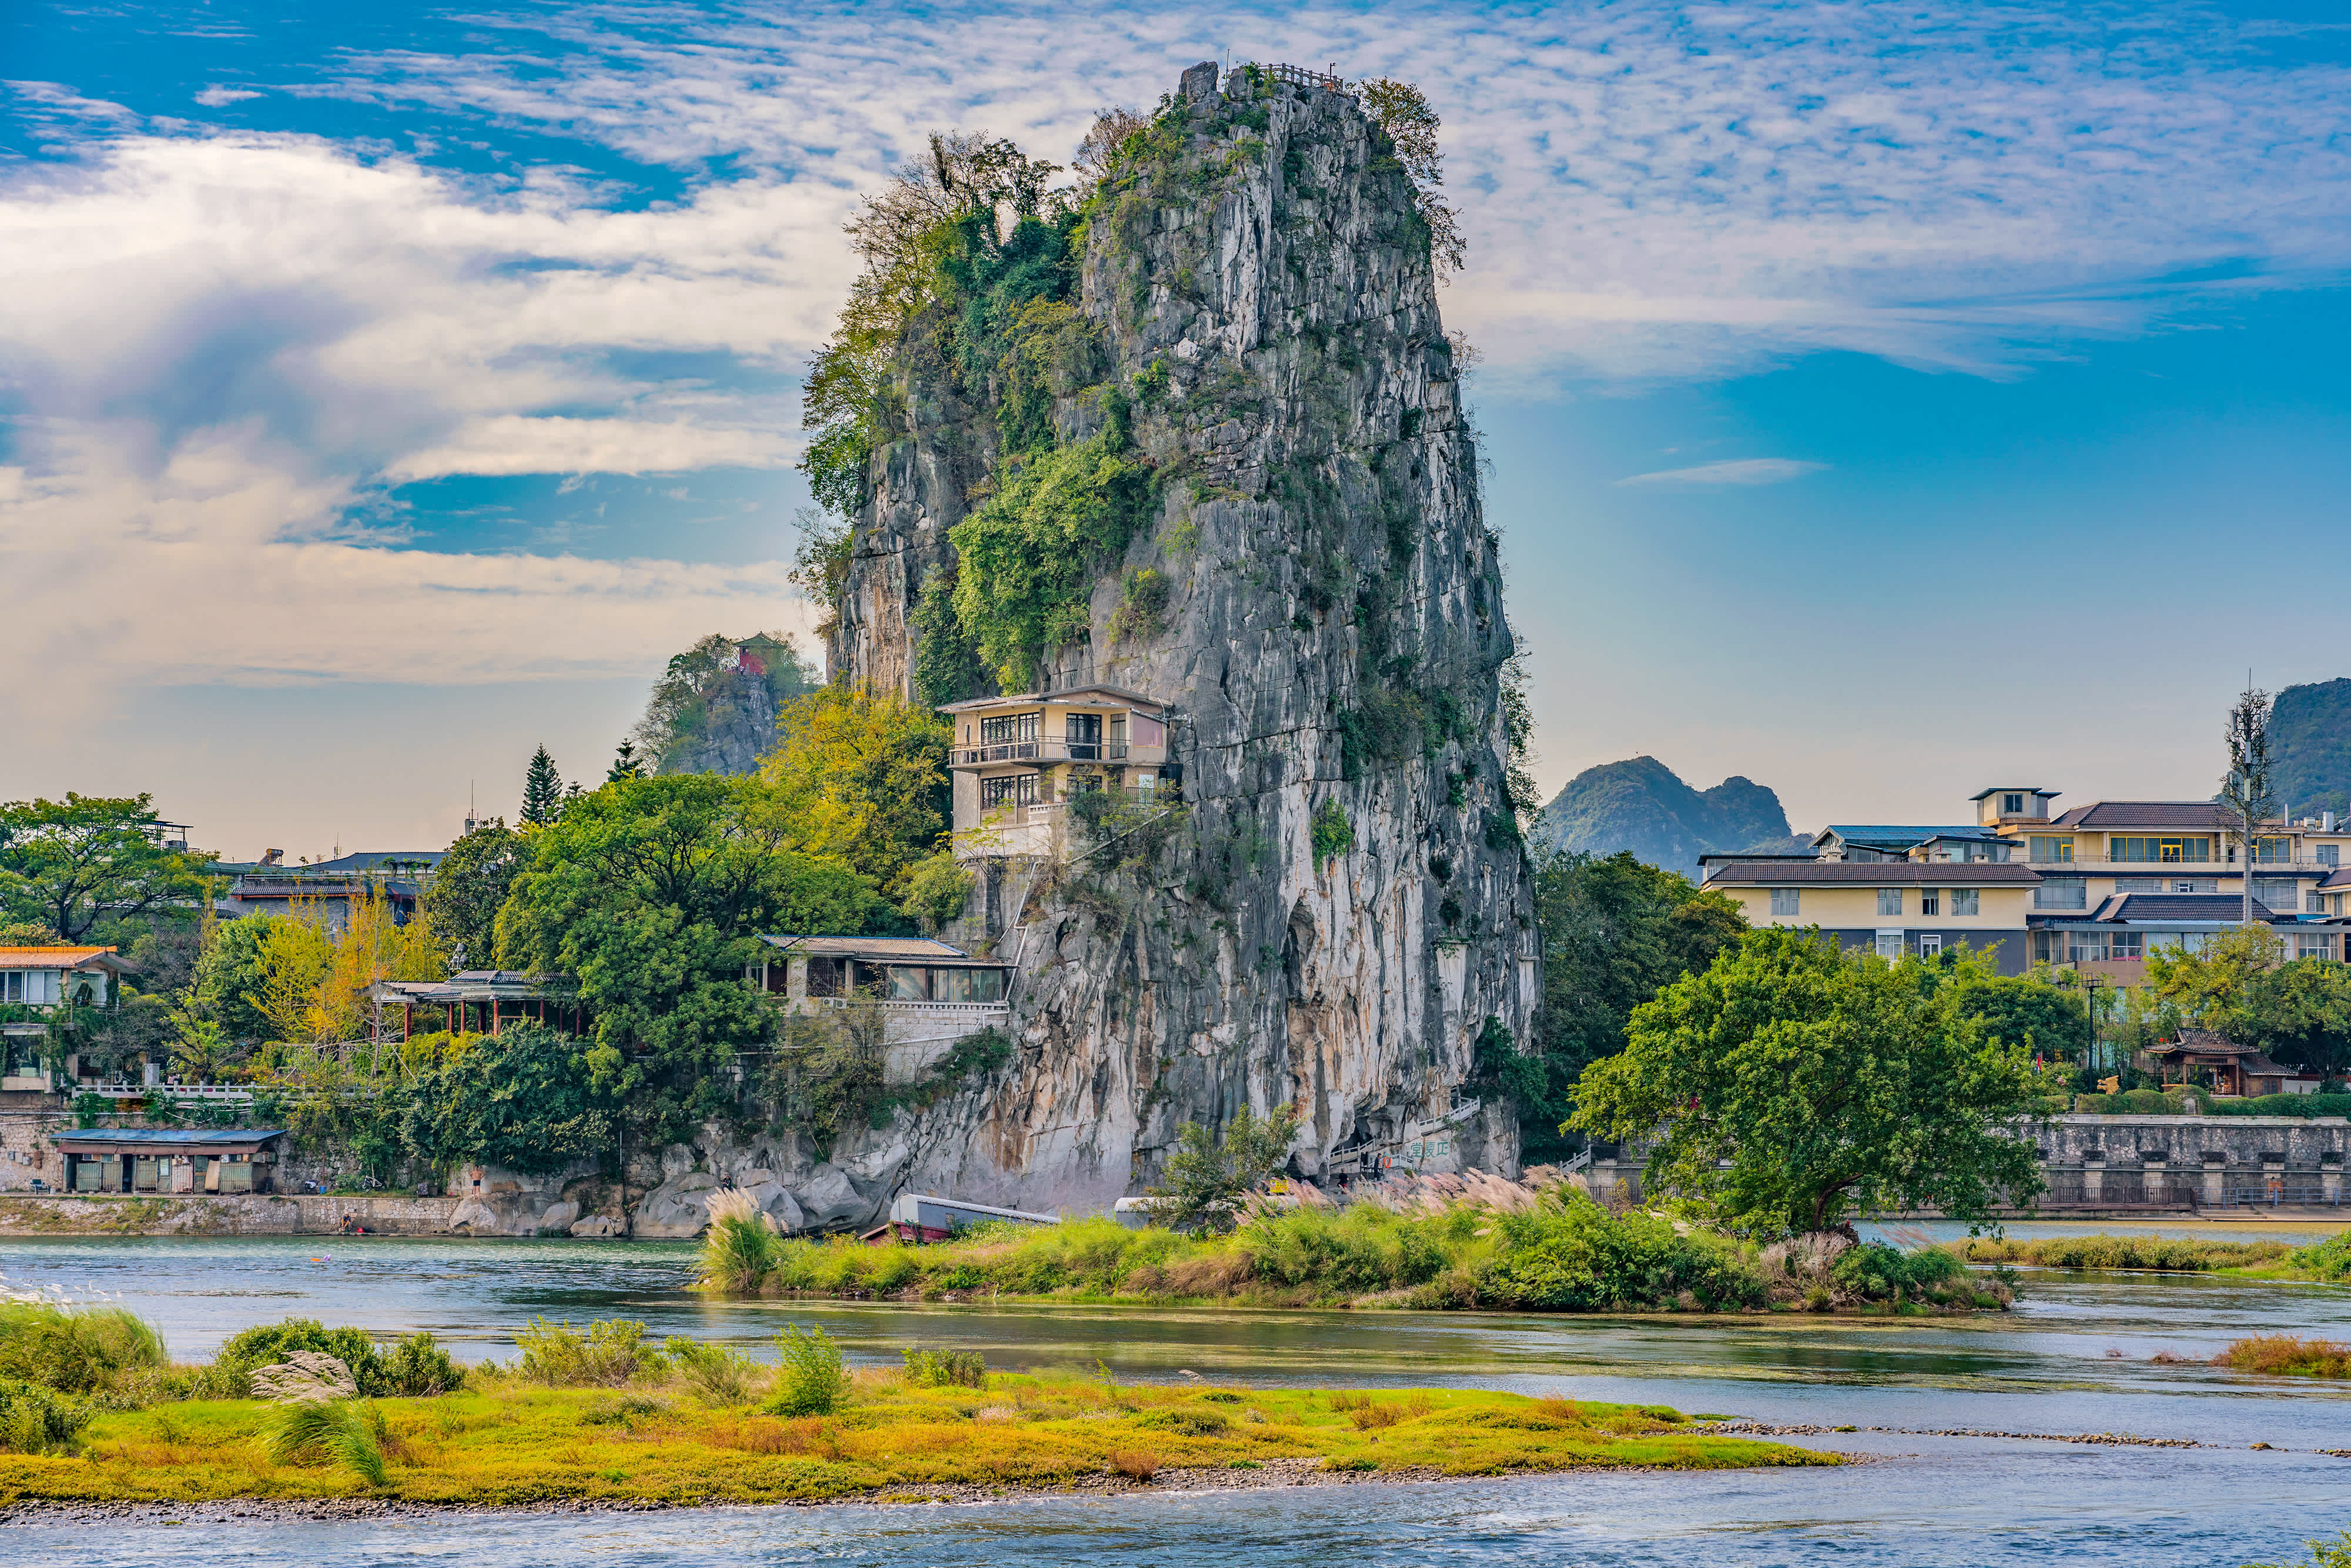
2096, 1163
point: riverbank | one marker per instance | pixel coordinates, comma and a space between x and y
517, 1445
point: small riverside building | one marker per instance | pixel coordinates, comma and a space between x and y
169, 1159
46, 982
482, 1001
931, 994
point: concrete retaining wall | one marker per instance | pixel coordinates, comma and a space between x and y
2115, 1164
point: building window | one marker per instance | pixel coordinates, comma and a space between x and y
1930, 902
2321, 946
1008, 729
1889, 901
2069, 893
2272, 851
2051, 851
1890, 945
2160, 850
2128, 945
1784, 900
12, 986
1964, 900
2276, 893
2313, 901
2085, 946
2329, 855
2012, 805
1008, 790
1929, 944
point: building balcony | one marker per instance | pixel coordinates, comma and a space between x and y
1118, 753
2172, 868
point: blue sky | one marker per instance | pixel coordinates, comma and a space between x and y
1881, 401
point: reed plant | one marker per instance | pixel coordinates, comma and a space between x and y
739, 1250
2282, 1355
74, 1350
325, 1431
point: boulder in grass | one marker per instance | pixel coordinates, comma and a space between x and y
305, 1375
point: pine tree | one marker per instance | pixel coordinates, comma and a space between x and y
626, 764
543, 790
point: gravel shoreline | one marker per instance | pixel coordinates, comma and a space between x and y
1310, 1471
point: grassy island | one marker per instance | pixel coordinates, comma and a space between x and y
2326, 1262
297, 1412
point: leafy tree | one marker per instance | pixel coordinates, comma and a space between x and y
2248, 790
1793, 1085
1614, 931
649, 892
228, 975
626, 764
543, 790
1403, 111
862, 779
715, 670
1208, 1177
2239, 984
73, 864
936, 889
524, 1098
2021, 1010
467, 888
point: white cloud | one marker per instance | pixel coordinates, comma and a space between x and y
1741, 472
217, 97
509, 443
222, 340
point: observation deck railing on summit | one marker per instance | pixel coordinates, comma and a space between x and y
1297, 76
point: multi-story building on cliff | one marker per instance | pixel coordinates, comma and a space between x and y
1020, 761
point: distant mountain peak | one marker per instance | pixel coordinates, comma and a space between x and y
1642, 805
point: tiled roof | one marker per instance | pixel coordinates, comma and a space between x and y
2164, 816
1891, 832
2015, 789
2181, 906
60, 958
1885, 873
903, 948
2334, 881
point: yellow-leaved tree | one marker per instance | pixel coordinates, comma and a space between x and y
863, 779
315, 978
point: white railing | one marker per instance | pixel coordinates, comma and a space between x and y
1057, 751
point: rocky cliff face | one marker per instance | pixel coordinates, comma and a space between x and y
1327, 620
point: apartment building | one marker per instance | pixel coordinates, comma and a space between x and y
2101, 885
1019, 760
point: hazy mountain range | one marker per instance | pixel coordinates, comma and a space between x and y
1643, 806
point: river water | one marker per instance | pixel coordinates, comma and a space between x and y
2075, 1357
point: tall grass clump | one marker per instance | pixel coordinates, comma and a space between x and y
34, 1419
739, 1249
74, 1350
1567, 1253
2282, 1355
2165, 1254
946, 1368
329, 1431
810, 1377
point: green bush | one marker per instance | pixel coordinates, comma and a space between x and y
810, 1378
418, 1368
34, 1419
268, 1346
1568, 1254
946, 1368
1334, 834
1879, 1272
720, 1375
1363, 1248
74, 1349
2329, 1261
609, 1354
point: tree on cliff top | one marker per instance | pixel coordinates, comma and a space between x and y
1794, 1086
1401, 111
